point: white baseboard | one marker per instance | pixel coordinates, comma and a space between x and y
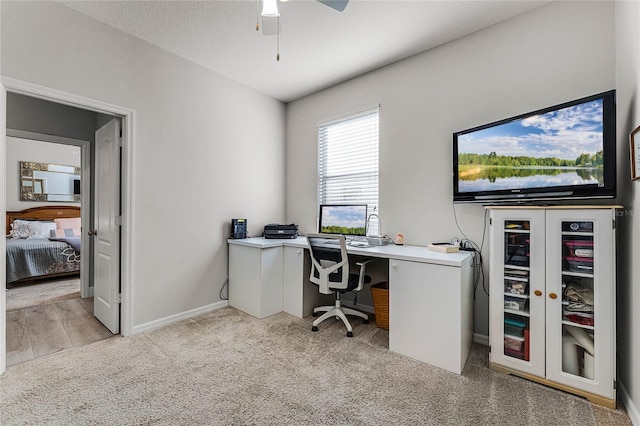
626, 400
137, 329
481, 339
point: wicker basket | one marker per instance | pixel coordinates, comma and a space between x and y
380, 296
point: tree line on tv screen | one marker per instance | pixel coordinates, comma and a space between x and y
475, 172
494, 160
343, 230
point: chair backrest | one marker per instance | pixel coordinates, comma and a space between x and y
329, 261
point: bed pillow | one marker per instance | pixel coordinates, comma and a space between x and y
68, 227
31, 229
20, 229
64, 233
40, 229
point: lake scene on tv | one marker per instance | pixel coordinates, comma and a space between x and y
559, 148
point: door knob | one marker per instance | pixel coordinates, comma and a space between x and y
553, 296
537, 293
94, 232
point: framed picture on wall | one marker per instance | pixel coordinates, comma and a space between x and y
634, 146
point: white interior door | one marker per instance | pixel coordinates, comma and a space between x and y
106, 230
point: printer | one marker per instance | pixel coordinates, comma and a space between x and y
275, 231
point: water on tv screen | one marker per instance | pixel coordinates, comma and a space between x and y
343, 219
561, 148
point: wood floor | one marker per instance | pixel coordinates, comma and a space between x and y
42, 330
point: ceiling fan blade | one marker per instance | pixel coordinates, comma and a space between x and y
338, 5
270, 26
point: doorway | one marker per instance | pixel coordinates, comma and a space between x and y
49, 279
125, 141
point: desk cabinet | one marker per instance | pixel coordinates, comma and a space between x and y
255, 279
431, 312
552, 304
300, 296
430, 293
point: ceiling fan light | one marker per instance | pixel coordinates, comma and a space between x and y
270, 8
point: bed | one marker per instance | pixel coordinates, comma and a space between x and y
35, 252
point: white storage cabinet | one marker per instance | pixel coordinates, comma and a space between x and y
255, 279
552, 303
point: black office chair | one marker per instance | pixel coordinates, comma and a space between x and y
330, 272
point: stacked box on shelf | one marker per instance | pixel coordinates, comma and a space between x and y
515, 287
579, 248
515, 334
580, 264
514, 326
515, 303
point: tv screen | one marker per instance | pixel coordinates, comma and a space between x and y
343, 219
561, 152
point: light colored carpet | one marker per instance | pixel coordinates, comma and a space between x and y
42, 293
227, 368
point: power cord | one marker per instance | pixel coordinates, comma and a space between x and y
468, 245
224, 284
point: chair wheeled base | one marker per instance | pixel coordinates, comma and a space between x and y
339, 312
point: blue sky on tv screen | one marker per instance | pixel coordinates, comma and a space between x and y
565, 133
347, 216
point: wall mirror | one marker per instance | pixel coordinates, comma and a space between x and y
49, 182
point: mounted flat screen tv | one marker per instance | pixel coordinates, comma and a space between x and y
562, 152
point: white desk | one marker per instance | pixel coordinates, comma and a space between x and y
430, 293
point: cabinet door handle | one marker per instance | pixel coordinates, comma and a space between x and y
299, 252
537, 293
553, 296
394, 265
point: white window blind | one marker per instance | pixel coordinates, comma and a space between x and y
348, 161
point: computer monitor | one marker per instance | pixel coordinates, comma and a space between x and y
345, 219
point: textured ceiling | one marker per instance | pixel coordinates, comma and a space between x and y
319, 46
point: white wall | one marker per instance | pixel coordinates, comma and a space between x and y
18, 150
628, 85
206, 149
554, 54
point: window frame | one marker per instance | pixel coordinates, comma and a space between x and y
361, 130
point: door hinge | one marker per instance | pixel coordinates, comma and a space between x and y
490, 221
118, 298
613, 223
119, 220
614, 383
120, 142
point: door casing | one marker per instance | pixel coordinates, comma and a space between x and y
128, 121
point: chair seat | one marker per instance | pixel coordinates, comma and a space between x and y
353, 283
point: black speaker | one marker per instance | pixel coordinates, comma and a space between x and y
238, 228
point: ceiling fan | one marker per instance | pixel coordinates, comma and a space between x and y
271, 16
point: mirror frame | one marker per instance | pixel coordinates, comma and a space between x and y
27, 168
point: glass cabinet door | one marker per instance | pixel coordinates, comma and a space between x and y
578, 316
517, 302
517, 257
580, 308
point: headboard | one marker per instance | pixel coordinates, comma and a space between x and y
42, 213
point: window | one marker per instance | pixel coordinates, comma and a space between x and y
348, 162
